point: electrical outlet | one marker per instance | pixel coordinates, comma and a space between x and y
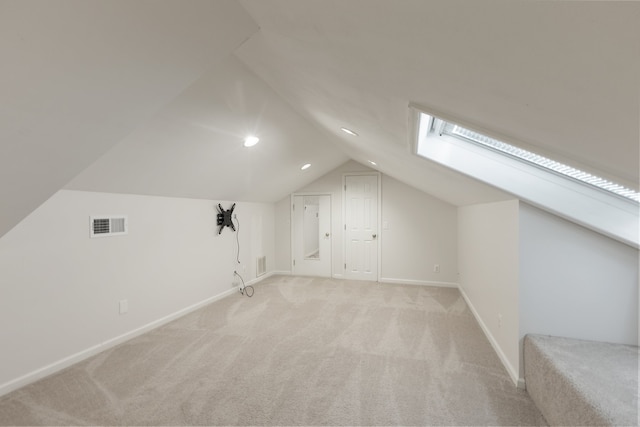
499, 320
436, 268
124, 306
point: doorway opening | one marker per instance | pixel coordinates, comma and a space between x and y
311, 235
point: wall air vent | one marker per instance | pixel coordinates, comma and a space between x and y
108, 225
261, 266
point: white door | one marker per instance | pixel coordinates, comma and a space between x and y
311, 235
361, 227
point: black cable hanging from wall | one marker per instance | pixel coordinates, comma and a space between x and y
244, 289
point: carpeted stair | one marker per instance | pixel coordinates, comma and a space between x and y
575, 382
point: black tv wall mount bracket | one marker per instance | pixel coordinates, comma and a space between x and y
225, 218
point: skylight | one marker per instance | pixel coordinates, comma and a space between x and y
607, 207
442, 127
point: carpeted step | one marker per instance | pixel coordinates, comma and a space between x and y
576, 382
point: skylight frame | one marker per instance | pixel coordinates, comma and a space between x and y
586, 205
546, 164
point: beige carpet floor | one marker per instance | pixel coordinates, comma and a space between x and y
302, 351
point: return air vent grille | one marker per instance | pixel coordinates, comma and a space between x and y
261, 266
108, 225
118, 225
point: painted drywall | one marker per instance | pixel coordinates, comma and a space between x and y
418, 232
583, 204
283, 236
61, 289
574, 282
193, 147
488, 264
544, 275
77, 77
421, 230
332, 183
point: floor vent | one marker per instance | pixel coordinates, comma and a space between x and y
261, 266
108, 225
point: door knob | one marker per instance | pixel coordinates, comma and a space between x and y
374, 235
326, 234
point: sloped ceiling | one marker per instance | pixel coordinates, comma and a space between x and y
78, 76
154, 97
562, 77
194, 146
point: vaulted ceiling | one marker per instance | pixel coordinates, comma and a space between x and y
155, 97
561, 76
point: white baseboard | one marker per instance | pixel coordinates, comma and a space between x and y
510, 369
338, 276
266, 276
92, 351
281, 273
418, 282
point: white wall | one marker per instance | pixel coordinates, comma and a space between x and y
574, 282
283, 235
544, 275
421, 231
60, 288
332, 183
488, 263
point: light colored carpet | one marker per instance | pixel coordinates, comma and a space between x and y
582, 383
302, 351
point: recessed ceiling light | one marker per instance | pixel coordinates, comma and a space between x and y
349, 131
306, 166
251, 140
373, 163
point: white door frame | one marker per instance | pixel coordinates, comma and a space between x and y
378, 176
291, 243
